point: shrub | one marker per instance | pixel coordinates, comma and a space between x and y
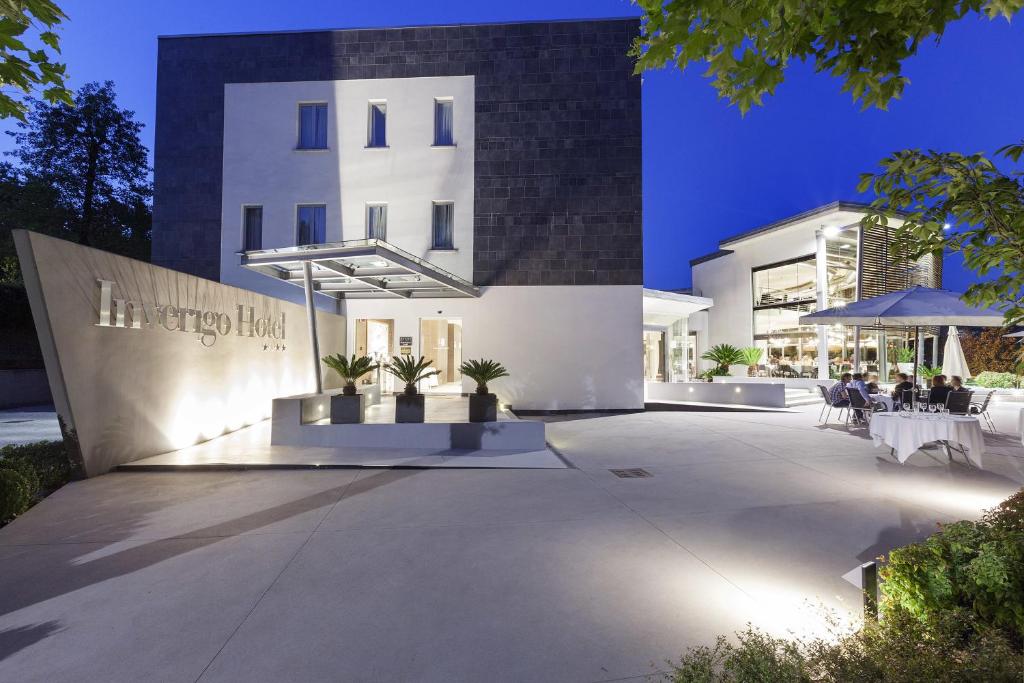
996, 380
751, 355
27, 472
989, 349
49, 459
723, 355
14, 495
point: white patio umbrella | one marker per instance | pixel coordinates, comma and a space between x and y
916, 307
953, 360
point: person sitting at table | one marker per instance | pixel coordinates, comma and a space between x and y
904, 384
873, 385
838, 395
857, 384
956, 383
939, 391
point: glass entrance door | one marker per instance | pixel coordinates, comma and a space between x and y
376, 338
441, 342
654, 356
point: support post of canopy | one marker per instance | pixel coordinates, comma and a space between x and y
821, 268
935, 350
314, 343
856, 348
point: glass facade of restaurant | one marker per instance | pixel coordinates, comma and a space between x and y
782, 292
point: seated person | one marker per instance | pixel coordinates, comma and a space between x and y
837, 394
903, 384
857, 384
939, 391
957, 384
873, 385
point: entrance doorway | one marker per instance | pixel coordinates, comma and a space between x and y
441, 342
376, 338
654, 356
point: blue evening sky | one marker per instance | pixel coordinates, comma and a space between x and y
708, 173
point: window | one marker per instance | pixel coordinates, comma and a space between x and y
252, 228
443, 121
377, 125
442, 225
376, 221
312, 126
311, 225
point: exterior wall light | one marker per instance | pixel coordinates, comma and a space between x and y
738, 390
947, 226
830, 231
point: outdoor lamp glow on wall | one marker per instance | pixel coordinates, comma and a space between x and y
830, 231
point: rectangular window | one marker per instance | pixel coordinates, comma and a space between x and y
252, 233
443, 225
443, 123
312, 126
377, 125
376, 221
311, 224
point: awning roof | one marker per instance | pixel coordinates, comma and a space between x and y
360, 269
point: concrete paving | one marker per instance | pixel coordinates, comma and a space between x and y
472, 574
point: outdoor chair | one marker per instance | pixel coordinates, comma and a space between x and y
958, 402
908, 396
828, 404
981, 410
857, 402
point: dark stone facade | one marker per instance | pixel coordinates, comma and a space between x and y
558, 130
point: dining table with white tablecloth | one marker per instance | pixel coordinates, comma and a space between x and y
906, 432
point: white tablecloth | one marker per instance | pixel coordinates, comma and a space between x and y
883, 398
907, 434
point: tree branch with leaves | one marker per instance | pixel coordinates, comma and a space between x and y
23, 69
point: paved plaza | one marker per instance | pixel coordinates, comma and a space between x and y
567, 574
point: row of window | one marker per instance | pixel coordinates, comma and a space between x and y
311, 225
313, 124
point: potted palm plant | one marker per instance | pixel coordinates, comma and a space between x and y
723, 355
410, 405
905, 360
349, 407
750, 357
483, 406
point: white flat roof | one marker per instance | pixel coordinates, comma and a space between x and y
661, 306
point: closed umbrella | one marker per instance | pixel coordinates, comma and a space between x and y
916, 307
953, 360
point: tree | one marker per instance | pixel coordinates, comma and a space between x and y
748, 44
988, 349
22, 68
90, 155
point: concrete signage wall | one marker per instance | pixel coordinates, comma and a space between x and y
144, 360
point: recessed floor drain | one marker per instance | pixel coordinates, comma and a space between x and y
634, 473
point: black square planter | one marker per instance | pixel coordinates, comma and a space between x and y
347, 410
483, 408
409, 408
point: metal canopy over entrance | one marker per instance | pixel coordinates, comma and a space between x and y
359, 269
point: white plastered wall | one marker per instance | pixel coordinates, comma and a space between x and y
263, 167
566, 347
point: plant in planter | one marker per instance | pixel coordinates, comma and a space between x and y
929, 372
905, 359
750, 357
483, 406
723, 355
410, 405
349, 407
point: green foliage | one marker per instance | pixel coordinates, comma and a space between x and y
988, 349
350, 369
49, 460
930, 190
899, 649
410, 371
27, 471
723, 355
748, 44
89, 170
905, 355
22, 68
927, 372
974, 567
751, 355
717, 371
14, 494
996, 380
483, 371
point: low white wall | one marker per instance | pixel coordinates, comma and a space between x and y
133, 392
736, 393
23, 388
567, 348
789, 382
